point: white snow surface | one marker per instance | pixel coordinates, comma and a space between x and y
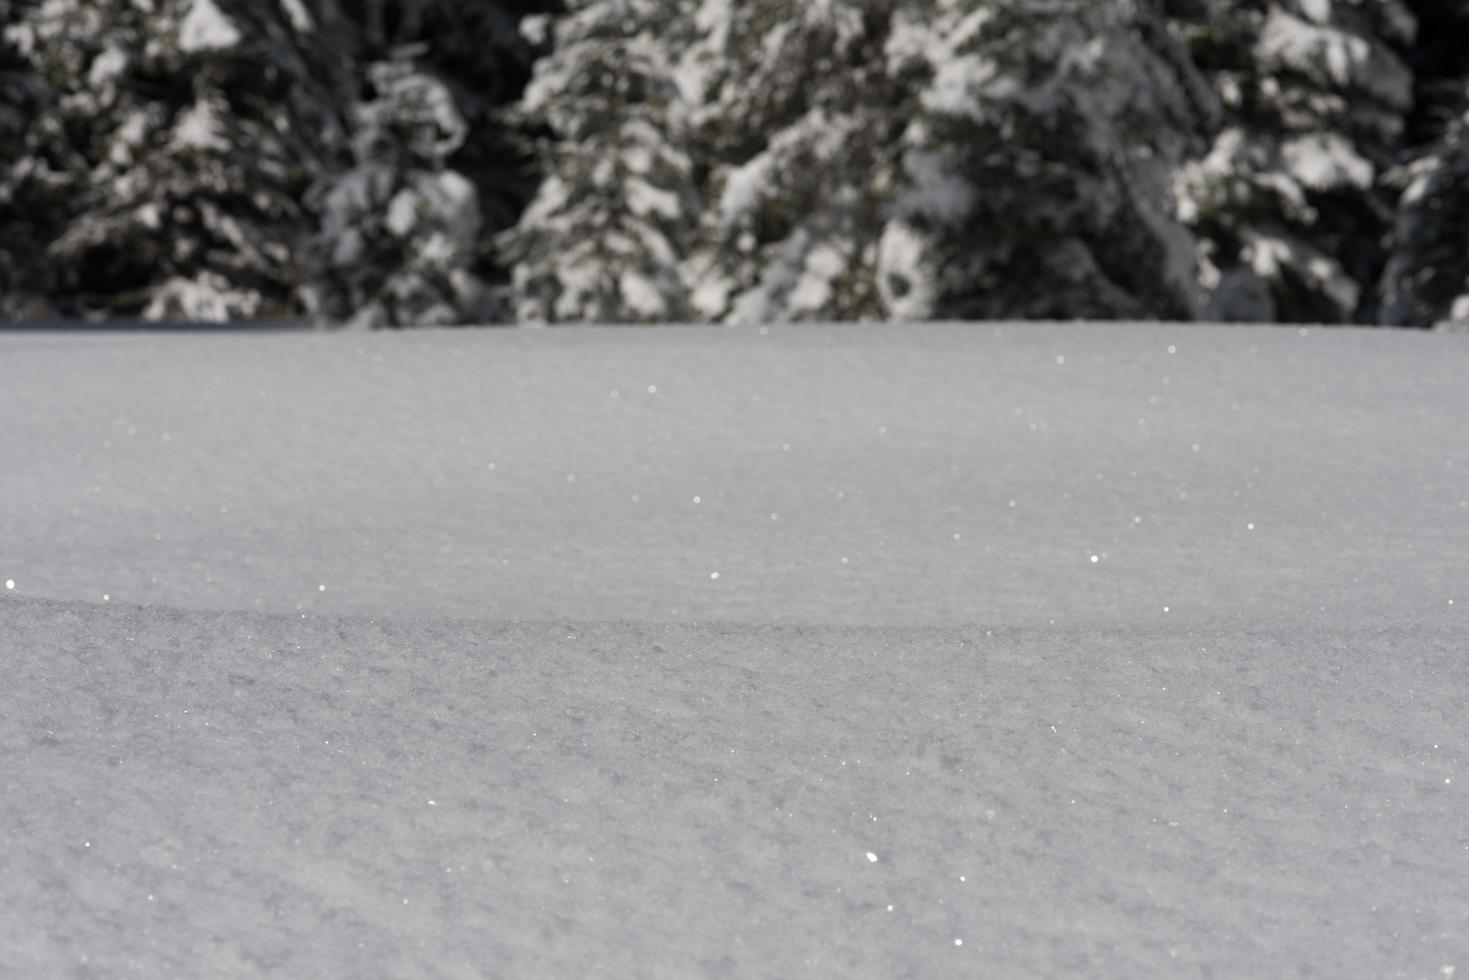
207, 28
1127, 650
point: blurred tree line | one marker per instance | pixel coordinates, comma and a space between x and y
422, 162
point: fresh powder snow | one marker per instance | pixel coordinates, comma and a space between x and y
944, 650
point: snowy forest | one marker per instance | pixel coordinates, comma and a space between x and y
397, 163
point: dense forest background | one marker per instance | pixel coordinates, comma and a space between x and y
430, 162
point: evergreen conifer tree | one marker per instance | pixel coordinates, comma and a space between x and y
1288, 206
403, 227
798, 121
398, 231
173, 157
602, 239
171, 149
1426, 282
26, 197
858, 159
734, 160
1036, 168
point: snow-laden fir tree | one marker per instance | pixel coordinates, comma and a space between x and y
402, 228
484, 55
171, 149
26, 200
1426, 282
1288, 206
848, 159
709, 160
733, 160
174, 155
618, 206
398, 233
797, 121
1036, 167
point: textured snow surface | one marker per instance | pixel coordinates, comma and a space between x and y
824, 650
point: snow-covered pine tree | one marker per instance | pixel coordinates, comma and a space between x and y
618, 206
25, 281
479, 49
398, 231
1426, 282
1288, 205
1036, 167
855, 159
797, 120
171, 150
723, 160
402, 227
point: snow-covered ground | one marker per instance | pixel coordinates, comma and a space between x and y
839, 651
